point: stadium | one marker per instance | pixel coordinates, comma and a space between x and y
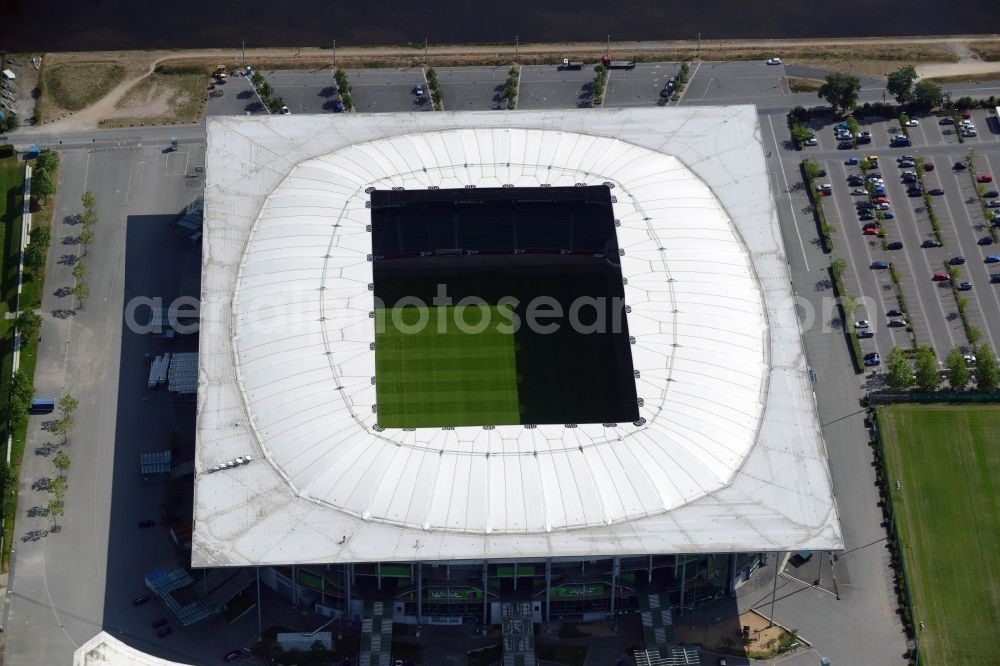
459, 367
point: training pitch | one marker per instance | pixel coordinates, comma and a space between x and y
947, 461
432, 372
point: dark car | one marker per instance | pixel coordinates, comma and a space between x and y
897, 323
930, 242
985, 240
866, 216
915, 192
140, 600
995, 278
872, 359
855, 181
956, 261
147, 523
156, 624
928, 166
864, 205
164, 631
865, 333
992, 194
231, 656
338, 106
894, 313
845, 145
895, 245
880, 264
959, 166
947, 120
964, 286
936, 192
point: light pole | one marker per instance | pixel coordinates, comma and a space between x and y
607, 51
335, 53
425, 50
698, 56
774, 590
517, 40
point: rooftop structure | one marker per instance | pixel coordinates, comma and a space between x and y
724, 454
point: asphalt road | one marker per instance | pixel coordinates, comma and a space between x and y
66, 586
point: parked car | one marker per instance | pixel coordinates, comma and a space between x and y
872, 359
991, 194
871, 231
947, 120
285, 111
984, 178
854, 181
897, 323
845, 145
894, 313
865, 333
880, 264
895, 245
956, 261
931, 242
940, 276
888, 215
936, 192
851, 161
881, 200
959, 166
774, 61
993, 204
964, 286
912, 122
966, 114
985, 240
857, 191
992, 259
915, 192
928, 166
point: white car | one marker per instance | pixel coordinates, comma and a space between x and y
774, 61
811, 142
861, 324
912, 122
285, 111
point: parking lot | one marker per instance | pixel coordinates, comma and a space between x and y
931, 309
473, 88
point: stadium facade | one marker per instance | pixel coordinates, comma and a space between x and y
711, 455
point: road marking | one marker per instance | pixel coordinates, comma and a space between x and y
131, 169
788, 193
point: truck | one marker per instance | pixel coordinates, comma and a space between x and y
617, 64
220, 73
42, 406
571, 64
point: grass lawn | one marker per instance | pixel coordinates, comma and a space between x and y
76, 85
799, 85
947, 461
165, 97
433, 376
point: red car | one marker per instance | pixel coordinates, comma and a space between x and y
871, 231
941, 276
881, 200
966, 114
928, 166
984, 178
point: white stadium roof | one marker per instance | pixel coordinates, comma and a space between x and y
728, 455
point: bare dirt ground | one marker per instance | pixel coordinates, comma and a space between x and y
865, 56
722, 636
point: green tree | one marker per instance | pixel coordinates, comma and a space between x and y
34, 256
811, 168
954, 272
987, 369
28, 323
927, 95
40, 236
900, 374
974, 336
838, 266
63, 427
265, 91
42, 184
964, 103
57, 487
47, 161
20, 397
79, 270
900, 84
841, 91
85, 238
68, 405
257, 78
88, 219
88, 200
850, 305
61, 462
852, 125
55, 509
958, 371
927, 369
82, 293
800, 134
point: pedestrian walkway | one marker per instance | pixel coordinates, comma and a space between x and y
376, 636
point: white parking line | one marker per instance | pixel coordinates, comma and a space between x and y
788, 192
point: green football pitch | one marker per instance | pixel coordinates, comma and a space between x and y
437, 374
947, 461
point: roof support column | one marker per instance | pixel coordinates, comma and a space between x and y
347, 584
420, 593
295, 587
684, 565
486, 620
615, 563
548, 589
